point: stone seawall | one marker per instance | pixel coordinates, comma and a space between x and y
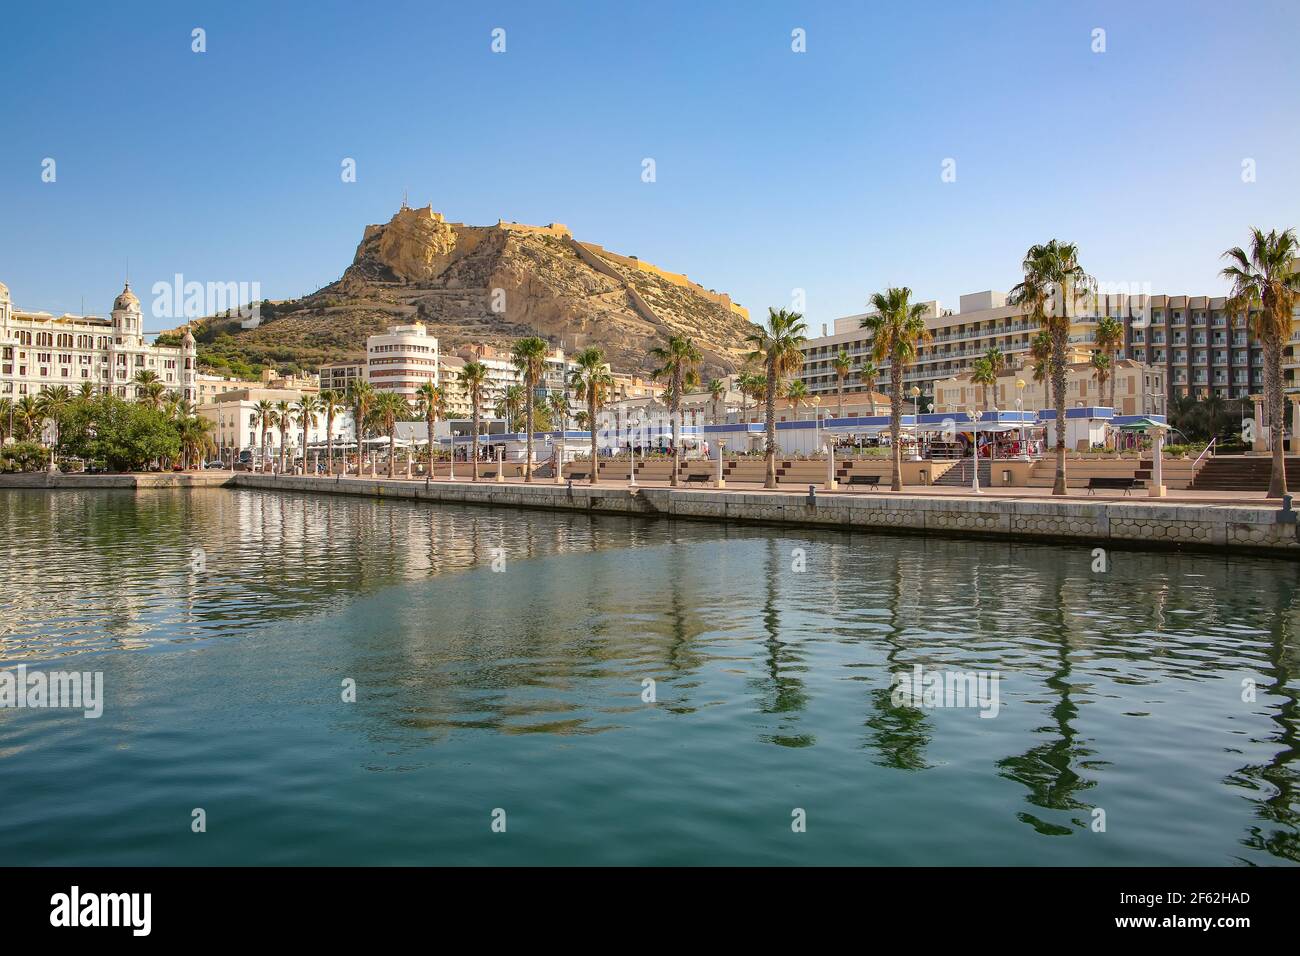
1141, 524
136, 482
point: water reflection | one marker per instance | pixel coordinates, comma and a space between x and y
1121, 690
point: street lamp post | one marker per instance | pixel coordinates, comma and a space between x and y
1020, 413
973, 414
635, 424
722, 454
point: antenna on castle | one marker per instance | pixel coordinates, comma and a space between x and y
404, 203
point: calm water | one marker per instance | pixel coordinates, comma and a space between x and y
522, 690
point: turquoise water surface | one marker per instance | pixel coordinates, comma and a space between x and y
227, 625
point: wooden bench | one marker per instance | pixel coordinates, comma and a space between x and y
698, 478
1111, 484
579, 475
872, 480
487, 474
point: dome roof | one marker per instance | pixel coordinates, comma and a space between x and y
126, 300
4, 291
188, 337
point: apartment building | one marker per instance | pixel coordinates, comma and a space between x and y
454, 394
1200, 350
341, 376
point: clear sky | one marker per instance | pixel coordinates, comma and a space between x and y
775, 170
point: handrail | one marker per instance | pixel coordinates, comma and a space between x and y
1204, 450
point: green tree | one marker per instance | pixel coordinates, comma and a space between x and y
1109, 337
391, 408
677, 362
529, 358
897, 331
869, 374
776, 348
843, 365
1266, 286
361, 396
1053, 278
473, 378
983, 375
331, 404
592, 383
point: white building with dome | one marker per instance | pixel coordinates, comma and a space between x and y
39, 350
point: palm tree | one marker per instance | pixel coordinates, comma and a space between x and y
1101, 370
473, 378
777, 348
897, 330
283, 418
1053, 275
306, 408
54, 404
85, 391
28, 411
389, 409
592, 383
677, 363
507, 406
1040, 350
432, 403
195, 433
843, 365
152, 394
868, 372
557, 409
1110, 336
264, 413
717, 388
983, 375
796, 393
331, 403
6, 419
1265, 280
361, 396
751, 385
529, 357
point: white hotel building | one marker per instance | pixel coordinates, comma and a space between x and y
402, 359
39, 350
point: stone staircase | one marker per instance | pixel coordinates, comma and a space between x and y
1242, 473
959, 475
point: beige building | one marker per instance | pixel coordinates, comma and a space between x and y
1139, 390
453, 390
341, 376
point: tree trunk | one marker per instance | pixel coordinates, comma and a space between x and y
528, 416
1276, 415
329, 445
1060, 339
591, 424
840, 412
676, 413
1114, 373
392, 450
896, 422
770, 452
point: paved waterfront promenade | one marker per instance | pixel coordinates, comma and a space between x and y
1202, 521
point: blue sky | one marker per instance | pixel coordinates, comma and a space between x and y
775, 170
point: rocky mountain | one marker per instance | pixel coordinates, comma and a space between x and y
488, 284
